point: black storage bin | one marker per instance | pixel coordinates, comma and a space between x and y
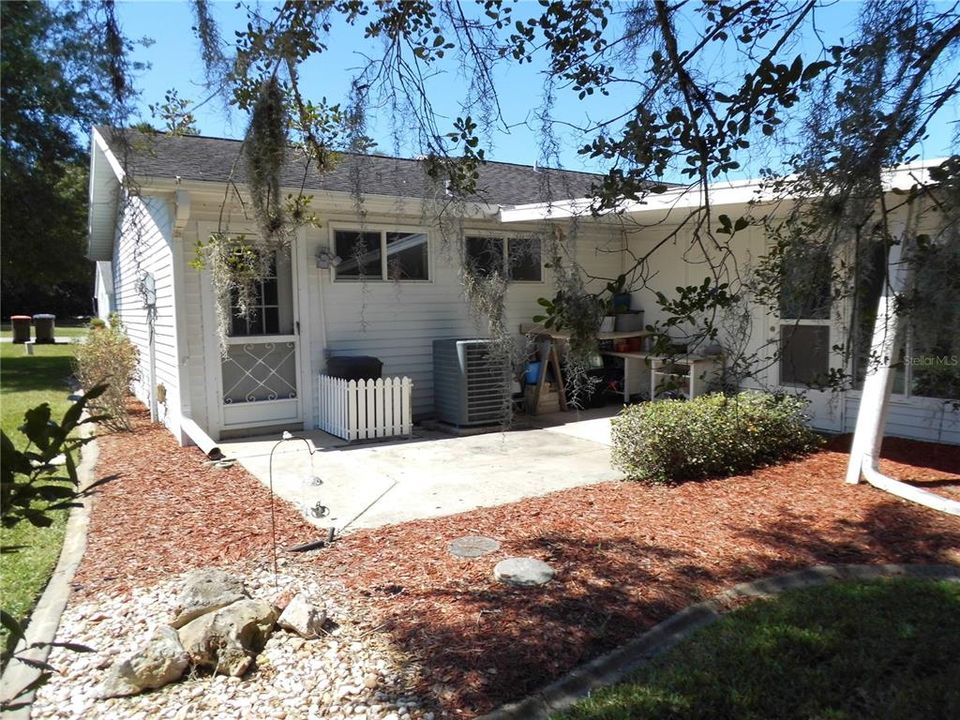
44, 328
354, 367
21, 325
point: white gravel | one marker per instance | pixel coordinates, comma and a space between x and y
352, 672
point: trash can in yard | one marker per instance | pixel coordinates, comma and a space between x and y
354, 367
44, 325
21, 328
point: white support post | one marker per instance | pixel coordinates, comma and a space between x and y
878, 383
877, 386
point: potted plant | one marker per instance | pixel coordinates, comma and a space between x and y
609, 319
553, 312
620, 298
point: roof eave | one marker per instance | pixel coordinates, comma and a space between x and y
323, 200
106, 182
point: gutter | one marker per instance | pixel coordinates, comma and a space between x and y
331, 201
735, 192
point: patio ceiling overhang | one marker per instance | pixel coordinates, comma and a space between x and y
658, 206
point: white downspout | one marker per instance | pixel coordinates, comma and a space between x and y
200, 438
877, 387
152, 344
184, 389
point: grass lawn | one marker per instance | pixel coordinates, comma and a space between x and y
27, 381
61, 331
887, 649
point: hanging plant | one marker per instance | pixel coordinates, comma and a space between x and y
265, 148
237, 265
237, 262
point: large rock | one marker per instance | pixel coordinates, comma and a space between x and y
160, 662
302, 617
228, 640
206, 591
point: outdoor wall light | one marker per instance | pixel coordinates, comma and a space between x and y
326, 259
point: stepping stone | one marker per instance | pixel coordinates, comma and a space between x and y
473, 546
524, 572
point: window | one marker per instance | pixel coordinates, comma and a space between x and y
272, 304
520, 257
926, 360
805, 298
804, 354
805, 285
381, 255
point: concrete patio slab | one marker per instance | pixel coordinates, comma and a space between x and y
592, 424
368, 485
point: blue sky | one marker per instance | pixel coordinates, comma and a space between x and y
175, 63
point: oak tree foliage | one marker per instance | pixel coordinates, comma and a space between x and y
704, 92
64, 69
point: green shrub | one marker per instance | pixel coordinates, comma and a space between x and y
710, 436
32, 489
107, 357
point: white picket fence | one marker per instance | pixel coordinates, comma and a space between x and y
366, 409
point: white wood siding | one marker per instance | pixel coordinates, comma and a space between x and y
144, 245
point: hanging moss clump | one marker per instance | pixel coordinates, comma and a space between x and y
265, 149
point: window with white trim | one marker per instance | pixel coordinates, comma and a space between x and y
516, 258
381, 255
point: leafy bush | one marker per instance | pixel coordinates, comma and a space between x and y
32, 487
107, 357
712, 435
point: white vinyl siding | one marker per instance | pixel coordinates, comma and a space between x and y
928, 419
144, 245
919, 418
398, 322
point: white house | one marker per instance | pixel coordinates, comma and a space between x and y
153, 200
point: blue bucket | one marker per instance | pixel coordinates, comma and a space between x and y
533, 373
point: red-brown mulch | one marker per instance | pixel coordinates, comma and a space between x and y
168, 511
626, 555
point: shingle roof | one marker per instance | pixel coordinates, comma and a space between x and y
218, 160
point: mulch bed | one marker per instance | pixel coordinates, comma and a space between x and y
167, 511
626, 555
